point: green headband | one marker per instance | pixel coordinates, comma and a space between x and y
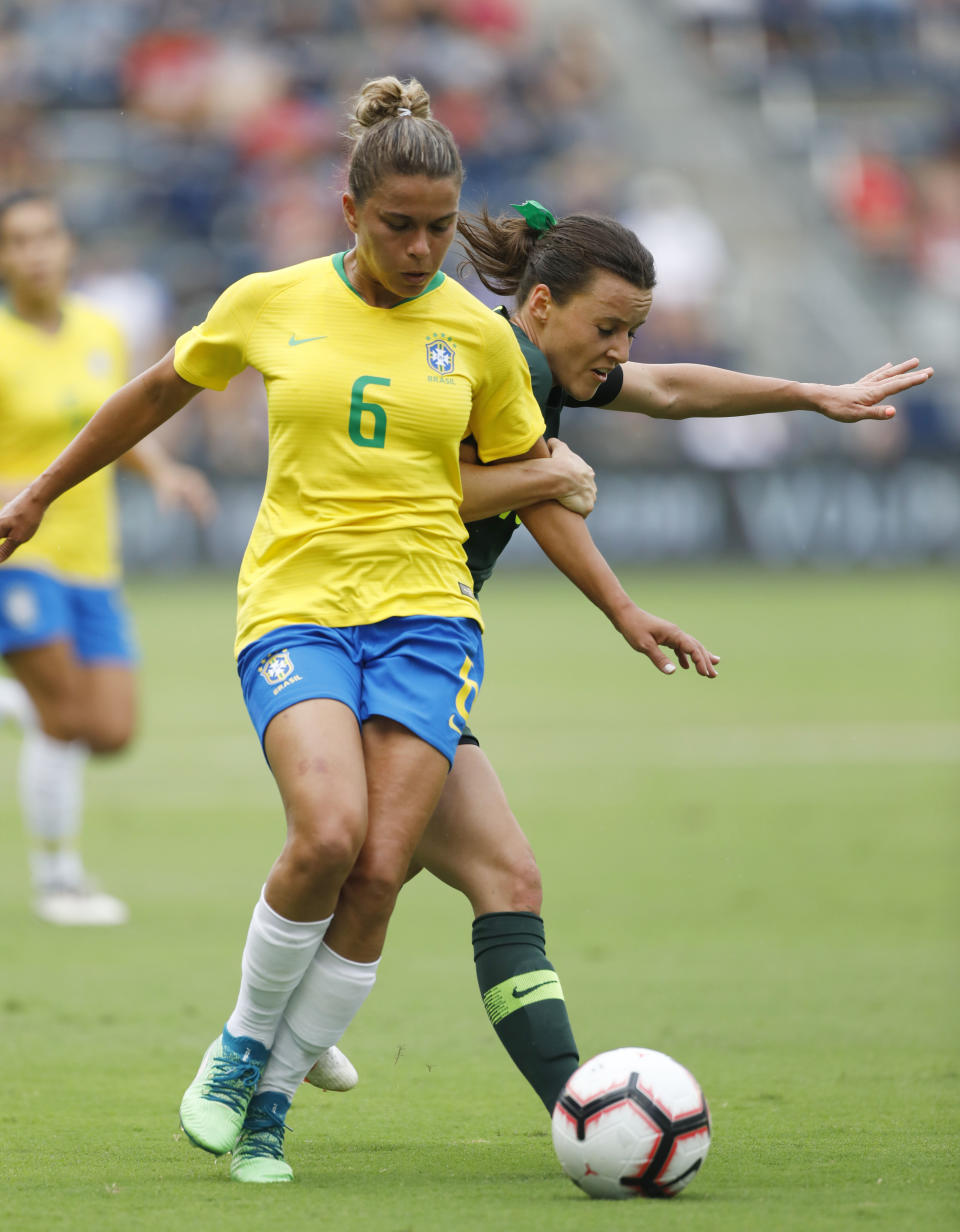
537, 216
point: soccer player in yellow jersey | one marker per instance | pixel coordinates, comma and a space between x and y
358, 632
64, 630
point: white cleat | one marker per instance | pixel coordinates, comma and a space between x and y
80, 906
333, 1072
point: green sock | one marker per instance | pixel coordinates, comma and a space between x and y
524, 1000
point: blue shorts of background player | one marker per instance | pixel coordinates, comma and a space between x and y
421, 671
37, 608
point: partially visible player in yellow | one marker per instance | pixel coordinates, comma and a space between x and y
64, 630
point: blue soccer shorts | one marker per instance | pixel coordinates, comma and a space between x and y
37, 608
421, 671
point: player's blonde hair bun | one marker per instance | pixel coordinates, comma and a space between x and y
386, 98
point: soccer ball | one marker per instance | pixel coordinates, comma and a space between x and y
631, 1122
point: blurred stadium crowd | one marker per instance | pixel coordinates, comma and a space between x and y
819, 67
192, 141
866, 93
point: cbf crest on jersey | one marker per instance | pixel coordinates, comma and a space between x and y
277, 667
441, 353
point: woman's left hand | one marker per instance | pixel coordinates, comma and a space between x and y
647, 633
866, 398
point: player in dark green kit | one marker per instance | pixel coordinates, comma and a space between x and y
583, 287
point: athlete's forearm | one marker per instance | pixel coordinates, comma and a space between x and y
680, 391
126, 417
564, 538
492, 490
683, 391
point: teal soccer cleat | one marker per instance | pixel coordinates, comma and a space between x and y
258, 1156
215, 1103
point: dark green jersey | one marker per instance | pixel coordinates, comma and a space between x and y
488, 537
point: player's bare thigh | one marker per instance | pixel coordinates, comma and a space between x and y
475, 844
315, 752
95, 703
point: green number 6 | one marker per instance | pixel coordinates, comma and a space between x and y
358, 406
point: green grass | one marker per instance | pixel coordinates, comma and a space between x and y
756, 874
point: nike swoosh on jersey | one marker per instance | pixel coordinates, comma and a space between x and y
295, 341
527, 991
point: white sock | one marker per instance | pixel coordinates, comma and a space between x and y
326, 1001
15, 703
276, 954
51, 797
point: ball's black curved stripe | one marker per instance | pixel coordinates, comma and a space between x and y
580, 1114
656, 1189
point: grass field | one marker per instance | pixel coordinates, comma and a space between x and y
757, 875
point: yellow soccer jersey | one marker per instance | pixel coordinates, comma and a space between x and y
50, 385
360, 514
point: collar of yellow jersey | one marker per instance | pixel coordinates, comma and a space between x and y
432, 285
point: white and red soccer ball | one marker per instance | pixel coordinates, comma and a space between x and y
629, 1123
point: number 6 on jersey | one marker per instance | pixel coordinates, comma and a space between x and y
358, 405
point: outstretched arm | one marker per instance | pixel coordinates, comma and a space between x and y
121, 423
565, 539
683, 391
552, 472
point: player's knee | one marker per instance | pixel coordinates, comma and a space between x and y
64, 717
525, 886
327, 848
63, 724
512, 883
110, 736
373, 887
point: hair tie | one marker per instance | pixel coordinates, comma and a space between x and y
402, 111
537, 216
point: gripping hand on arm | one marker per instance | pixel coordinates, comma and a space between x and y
121, 423
564, 538
550, 472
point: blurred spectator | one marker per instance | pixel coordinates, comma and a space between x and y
937, 237
694, 275
873, 195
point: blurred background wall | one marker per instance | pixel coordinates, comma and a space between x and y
794, 165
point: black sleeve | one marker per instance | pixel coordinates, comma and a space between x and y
604, 395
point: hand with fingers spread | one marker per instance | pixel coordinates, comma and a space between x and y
866, 398
647, 633
581, 495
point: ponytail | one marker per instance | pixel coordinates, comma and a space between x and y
511, 255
